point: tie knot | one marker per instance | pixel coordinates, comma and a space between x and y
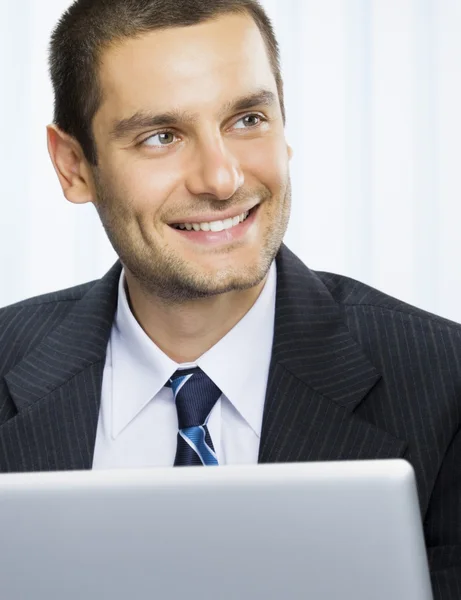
195, 395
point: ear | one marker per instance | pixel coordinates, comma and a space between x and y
70, 165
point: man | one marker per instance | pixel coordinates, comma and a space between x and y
210, 342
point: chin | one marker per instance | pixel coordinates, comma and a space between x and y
232, 276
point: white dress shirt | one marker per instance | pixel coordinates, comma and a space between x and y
138, 423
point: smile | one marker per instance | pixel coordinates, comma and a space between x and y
214, 225
224, 231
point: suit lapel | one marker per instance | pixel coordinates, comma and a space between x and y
318, 376
56, 389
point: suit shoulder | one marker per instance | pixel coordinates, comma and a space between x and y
349, 292
66, 295
52, 302
24, 324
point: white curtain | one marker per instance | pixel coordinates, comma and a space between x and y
373, 99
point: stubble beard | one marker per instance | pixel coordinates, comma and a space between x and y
161, 273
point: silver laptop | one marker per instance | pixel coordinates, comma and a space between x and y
316, 531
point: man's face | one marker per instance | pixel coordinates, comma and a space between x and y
190, 139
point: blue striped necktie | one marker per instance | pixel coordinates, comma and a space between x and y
195, 395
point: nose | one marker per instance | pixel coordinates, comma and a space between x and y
215, 171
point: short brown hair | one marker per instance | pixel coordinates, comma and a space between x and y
90, 26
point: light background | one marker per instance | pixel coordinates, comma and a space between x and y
373, 99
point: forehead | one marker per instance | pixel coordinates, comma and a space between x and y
190, 68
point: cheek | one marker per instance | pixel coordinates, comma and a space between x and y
268, 165
142, 186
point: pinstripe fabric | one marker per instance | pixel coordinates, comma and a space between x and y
52, 353
355, 374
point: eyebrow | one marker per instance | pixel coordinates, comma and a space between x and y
144, 120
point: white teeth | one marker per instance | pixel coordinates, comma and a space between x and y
215, 225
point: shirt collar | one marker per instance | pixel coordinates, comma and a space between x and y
139, 368
238, 364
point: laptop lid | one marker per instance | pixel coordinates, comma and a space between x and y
329, 531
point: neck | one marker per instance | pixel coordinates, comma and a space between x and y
186, 331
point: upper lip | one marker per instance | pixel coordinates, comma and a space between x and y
228, 214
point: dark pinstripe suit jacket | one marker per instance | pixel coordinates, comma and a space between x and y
355, 374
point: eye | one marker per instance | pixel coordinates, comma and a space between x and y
249, 121
164, 138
